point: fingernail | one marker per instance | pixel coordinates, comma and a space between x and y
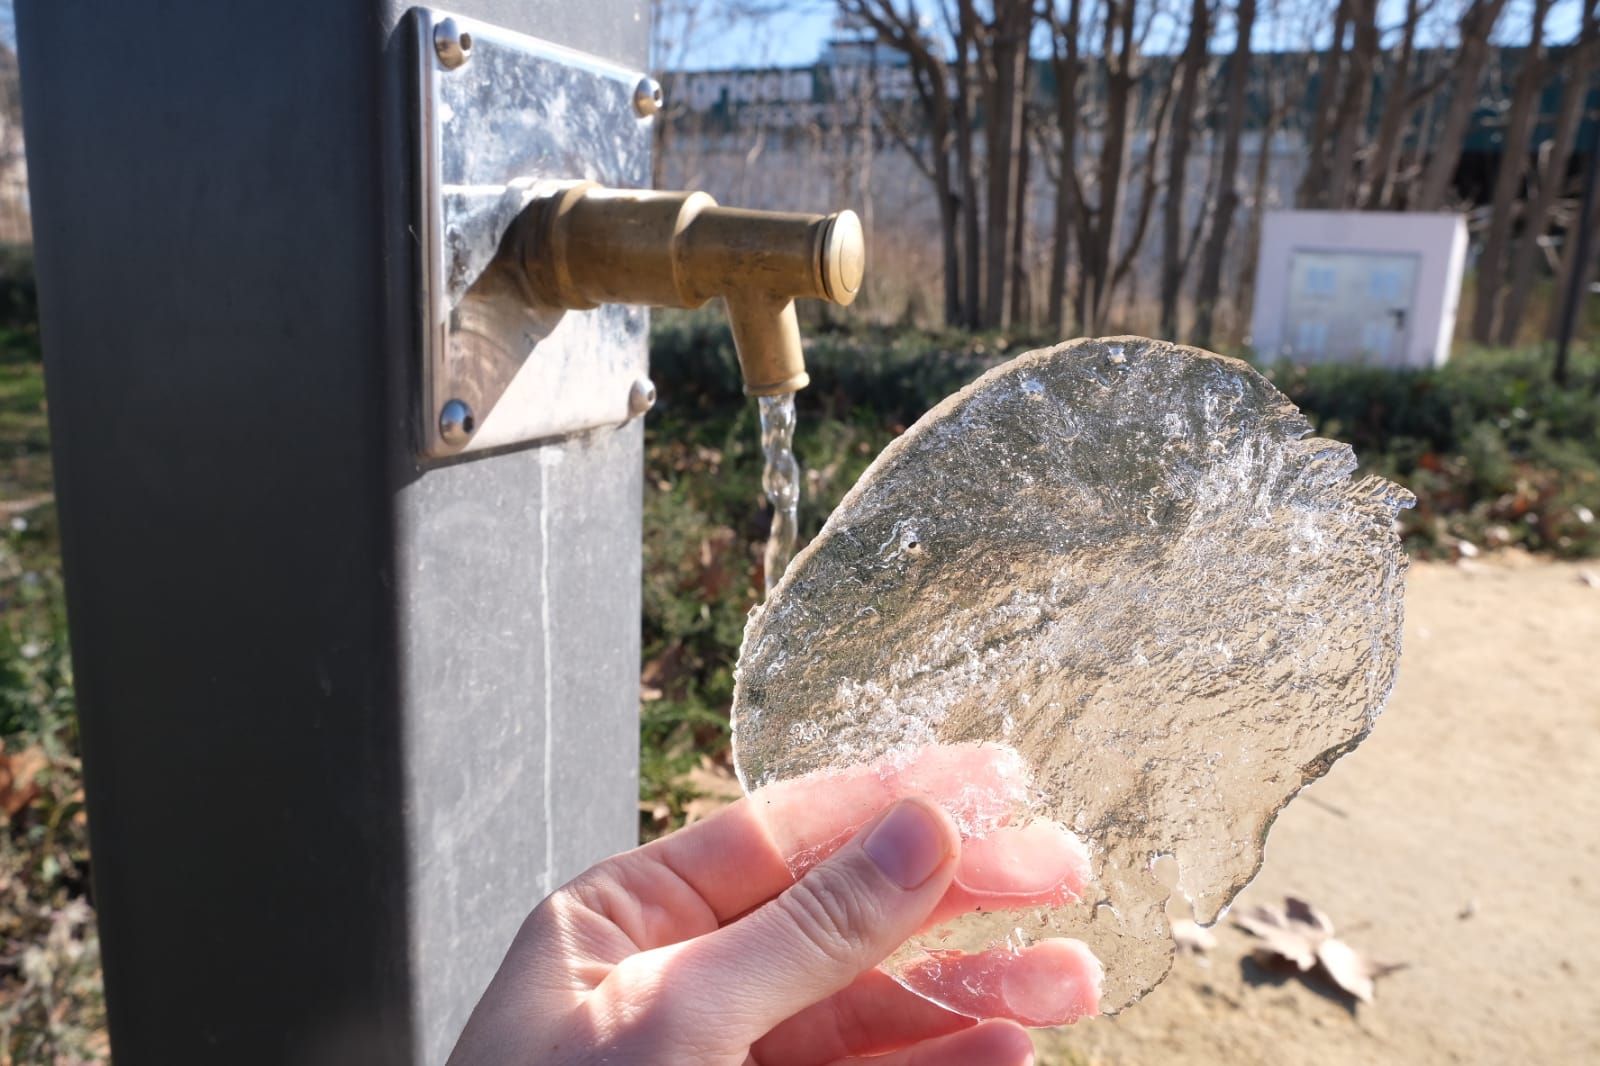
1053, 982
908, 845
1041, 860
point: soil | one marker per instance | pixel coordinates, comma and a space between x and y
1462, 838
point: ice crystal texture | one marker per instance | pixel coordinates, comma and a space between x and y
1127, 561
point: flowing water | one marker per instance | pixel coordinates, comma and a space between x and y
781, 481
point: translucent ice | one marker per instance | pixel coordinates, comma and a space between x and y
1126, 562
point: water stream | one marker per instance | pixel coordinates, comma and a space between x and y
781, 480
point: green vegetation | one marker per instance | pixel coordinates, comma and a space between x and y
1496, 453
51, 1007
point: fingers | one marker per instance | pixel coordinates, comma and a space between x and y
980, 785
1038, 864
818, 936
875, 1014
1052, 982
989, 1043
716, 870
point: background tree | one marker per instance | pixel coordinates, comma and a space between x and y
1191, 72
1209, 285
1472, 55
1491, 278
1554, 158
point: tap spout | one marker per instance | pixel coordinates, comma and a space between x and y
585, 245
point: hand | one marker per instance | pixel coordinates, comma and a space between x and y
702, 948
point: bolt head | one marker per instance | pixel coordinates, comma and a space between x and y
456, 422
641, 397
451, 44
647, 97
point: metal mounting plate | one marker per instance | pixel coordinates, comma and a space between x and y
499, 116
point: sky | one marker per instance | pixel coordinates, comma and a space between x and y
795, 37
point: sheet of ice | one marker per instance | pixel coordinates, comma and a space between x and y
1127, 561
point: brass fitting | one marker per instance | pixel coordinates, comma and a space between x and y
584, 245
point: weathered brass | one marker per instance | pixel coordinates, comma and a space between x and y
584, 245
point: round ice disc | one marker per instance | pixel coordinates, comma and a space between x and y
1125, 566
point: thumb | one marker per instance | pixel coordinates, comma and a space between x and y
839, 920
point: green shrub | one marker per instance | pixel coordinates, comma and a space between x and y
1496, 452
19, 291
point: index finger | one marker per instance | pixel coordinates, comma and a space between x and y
753, 850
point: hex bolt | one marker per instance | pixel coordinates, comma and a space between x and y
647, 97
456, 423
641, 397
453, 46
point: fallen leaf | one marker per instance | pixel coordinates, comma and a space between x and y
1281, 937
1350, 970
715, 787
1303, 913
1301, 934
1589, 578
19, 777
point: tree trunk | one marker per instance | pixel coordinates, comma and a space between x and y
1227, 190
1313, 183
966, 34
1003, 88
1440, 172
1064, 58
1572, 247
949, 204
1094, 289
1021, 296
1150, 186
1508, 179
1577, 256
1379, 171
1190, 72
903, 31
1246, 286
1552, 181
1351, 122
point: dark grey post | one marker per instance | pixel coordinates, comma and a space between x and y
345, 719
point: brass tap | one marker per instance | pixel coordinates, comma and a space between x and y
585, 245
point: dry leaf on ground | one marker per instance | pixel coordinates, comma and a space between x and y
19, 777
715, 787
1302, 935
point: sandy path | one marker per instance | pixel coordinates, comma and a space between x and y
1463, 838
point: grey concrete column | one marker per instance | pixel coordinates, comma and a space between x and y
345, 718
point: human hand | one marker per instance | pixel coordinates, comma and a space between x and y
701, 947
